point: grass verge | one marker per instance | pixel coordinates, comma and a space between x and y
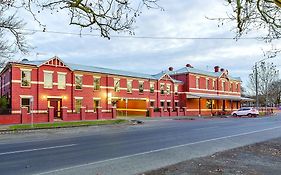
67, 124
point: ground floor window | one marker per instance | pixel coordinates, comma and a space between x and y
96, 105
151, 103
168, 103
176, 103
78, 105
25, 102
162, 104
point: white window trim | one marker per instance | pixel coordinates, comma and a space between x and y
62, 73
78, 98
49, 72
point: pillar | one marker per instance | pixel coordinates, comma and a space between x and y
51, 113
83, 113
114, 113
170, 111
99, 113
151, 112
64, 113
184, 111
178, 111
161, 111
24, 116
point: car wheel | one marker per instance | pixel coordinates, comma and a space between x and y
249, 115
234, 115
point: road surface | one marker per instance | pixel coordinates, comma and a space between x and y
128, 149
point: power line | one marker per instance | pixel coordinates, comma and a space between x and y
145, 37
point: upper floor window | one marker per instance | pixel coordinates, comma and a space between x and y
152, 88
78, 81
197, 82
207, 84
129, 86
214, 84
162, 89
141, 86
48, 79
223, 86
61, 80
117, 85
96, 83
168, 89
26, 78
237, 87
230, 87
176, 89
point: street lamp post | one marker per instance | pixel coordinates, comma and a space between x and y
256, 77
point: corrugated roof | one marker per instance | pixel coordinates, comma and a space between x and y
102, 70
161, 74
201, 72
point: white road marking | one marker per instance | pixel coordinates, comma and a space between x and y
157, 150
37, 149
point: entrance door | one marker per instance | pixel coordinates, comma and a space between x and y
56, 103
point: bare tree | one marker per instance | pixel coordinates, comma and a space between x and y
275, 92
12, 39
267, 74
105, 16
255, 15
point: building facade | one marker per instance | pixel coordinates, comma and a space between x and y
68, 88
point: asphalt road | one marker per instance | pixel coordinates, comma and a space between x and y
128, 149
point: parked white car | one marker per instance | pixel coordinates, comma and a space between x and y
246, 111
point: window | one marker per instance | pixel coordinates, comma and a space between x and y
48, 80
151, 87
197, 82
117, 85
168, 103
96, 83
223, 86
129, 86
214, 84
61, 81
162, 103
141, 86
176, 103
176, 89
25, 102
231, 87
168, 89
151, 103
162, 91
26, 78
207, 84
78, 81
78, 105
237, 87
96, 104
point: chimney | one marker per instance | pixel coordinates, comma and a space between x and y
217, 68
171, 68
189, 65
222, 69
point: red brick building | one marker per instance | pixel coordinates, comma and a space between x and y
54, 89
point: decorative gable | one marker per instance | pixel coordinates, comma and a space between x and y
224, 75
56, 62
166, 77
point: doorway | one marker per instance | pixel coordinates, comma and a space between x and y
56, 103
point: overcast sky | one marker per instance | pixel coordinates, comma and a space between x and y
180, 19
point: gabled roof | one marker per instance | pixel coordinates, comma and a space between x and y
1, 68
162, 74
185, 70
94, 69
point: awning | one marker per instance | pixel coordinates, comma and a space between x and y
247, 99
214, 96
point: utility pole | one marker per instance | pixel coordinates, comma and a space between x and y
257, 93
